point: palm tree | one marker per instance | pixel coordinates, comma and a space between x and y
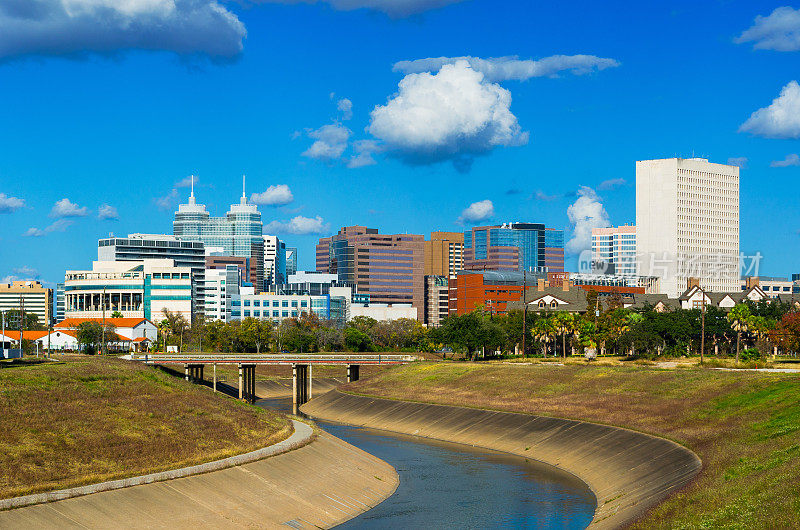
542, 331
738, 317
564, 324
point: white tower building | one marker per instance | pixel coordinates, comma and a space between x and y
687, 223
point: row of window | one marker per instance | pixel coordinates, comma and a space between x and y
275, 303
171, 276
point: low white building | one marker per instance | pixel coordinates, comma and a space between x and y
136, 289
383, 311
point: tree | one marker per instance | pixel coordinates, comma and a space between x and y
91, 334
357, 340
738, 318
564, 324
13, 316
116, 314
543, 331
176, 325
255, 333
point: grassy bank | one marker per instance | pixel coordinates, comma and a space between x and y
93, 419
745, 426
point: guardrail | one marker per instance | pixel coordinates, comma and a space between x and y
272, 359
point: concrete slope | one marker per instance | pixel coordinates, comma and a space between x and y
629, 472
318, 485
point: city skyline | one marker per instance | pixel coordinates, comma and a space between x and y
112, 149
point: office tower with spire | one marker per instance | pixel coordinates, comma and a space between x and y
239, 233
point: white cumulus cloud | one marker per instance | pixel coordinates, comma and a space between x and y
10, 204
298, 226
611, 184
781, 119
66, 208
477, 212
790, 160
107, 212
364, 150
512, 67
74, 27
345, 106
330, 142
274, 196
454, 115
779, 31
58, 226
393, 8
585, 213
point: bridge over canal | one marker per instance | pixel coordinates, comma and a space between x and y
194, 366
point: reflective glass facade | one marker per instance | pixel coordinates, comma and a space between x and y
514, 246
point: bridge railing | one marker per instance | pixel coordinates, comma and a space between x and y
272, 358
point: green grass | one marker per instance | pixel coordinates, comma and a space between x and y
745, 426
88, 420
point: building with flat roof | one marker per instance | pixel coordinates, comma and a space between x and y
239, 233
221, 285
291, 260
29, 295
274, 261
687, 223
444, 254
136, 289
514, 247
490, 290
388, 268
437, 300
181, 251
615, 247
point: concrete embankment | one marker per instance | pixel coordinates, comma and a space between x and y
318, 485
629, 472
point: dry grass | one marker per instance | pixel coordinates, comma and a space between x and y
89, 420
745, 426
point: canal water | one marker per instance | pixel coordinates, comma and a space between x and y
445, 485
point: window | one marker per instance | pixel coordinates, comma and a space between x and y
256, 313
184, 276
256, 303
303, 304
294, 313
247, 313
156, 275
541, 303
285, 313
175, 276
294, 303
247, 303
553, 304
284, 303
275, 304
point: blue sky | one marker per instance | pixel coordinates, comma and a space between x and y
120, 116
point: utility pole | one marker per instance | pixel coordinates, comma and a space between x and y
702, 326
21, 323
103, 331
524, 307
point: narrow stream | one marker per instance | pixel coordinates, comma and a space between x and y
446, 485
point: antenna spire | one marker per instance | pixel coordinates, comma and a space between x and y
244, 195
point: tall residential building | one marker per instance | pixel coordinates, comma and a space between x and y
30, 295
444, 254
616, 247
386, 267
183, 251
687, 223
274, 261
291, 261
221, 285
514, 247
239, 233
137, 289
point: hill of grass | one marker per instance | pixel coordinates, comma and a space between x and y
89, 420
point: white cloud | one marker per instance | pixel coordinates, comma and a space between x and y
477, 212
790, 160
168, 201
274, 196
779, 31
739, 161
58, 226
74, 27
393, 8
781, 119
26, 273
331, 141
66, 208
298, 226
511, 67
542, 196
345, 106
452, 115
611, 184
186, 182
10, 204
585, 213
107, 212
364, 150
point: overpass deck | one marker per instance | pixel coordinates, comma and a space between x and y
286, 359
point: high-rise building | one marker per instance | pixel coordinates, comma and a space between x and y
30, 296
291, 261
274, 261
616, 248
444, 254
514, 247
137, 289
239, 233
687, 223
221, 285
437, 299
58, 303
386, 267
183, 251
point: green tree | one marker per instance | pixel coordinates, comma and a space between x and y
564, 324
255, 333
738, 318
116, 314
356, 340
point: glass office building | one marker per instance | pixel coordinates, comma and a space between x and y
239, 233
514, 246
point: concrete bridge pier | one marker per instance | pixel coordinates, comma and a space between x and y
247, 382
352, 372
301, 384
193, 372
